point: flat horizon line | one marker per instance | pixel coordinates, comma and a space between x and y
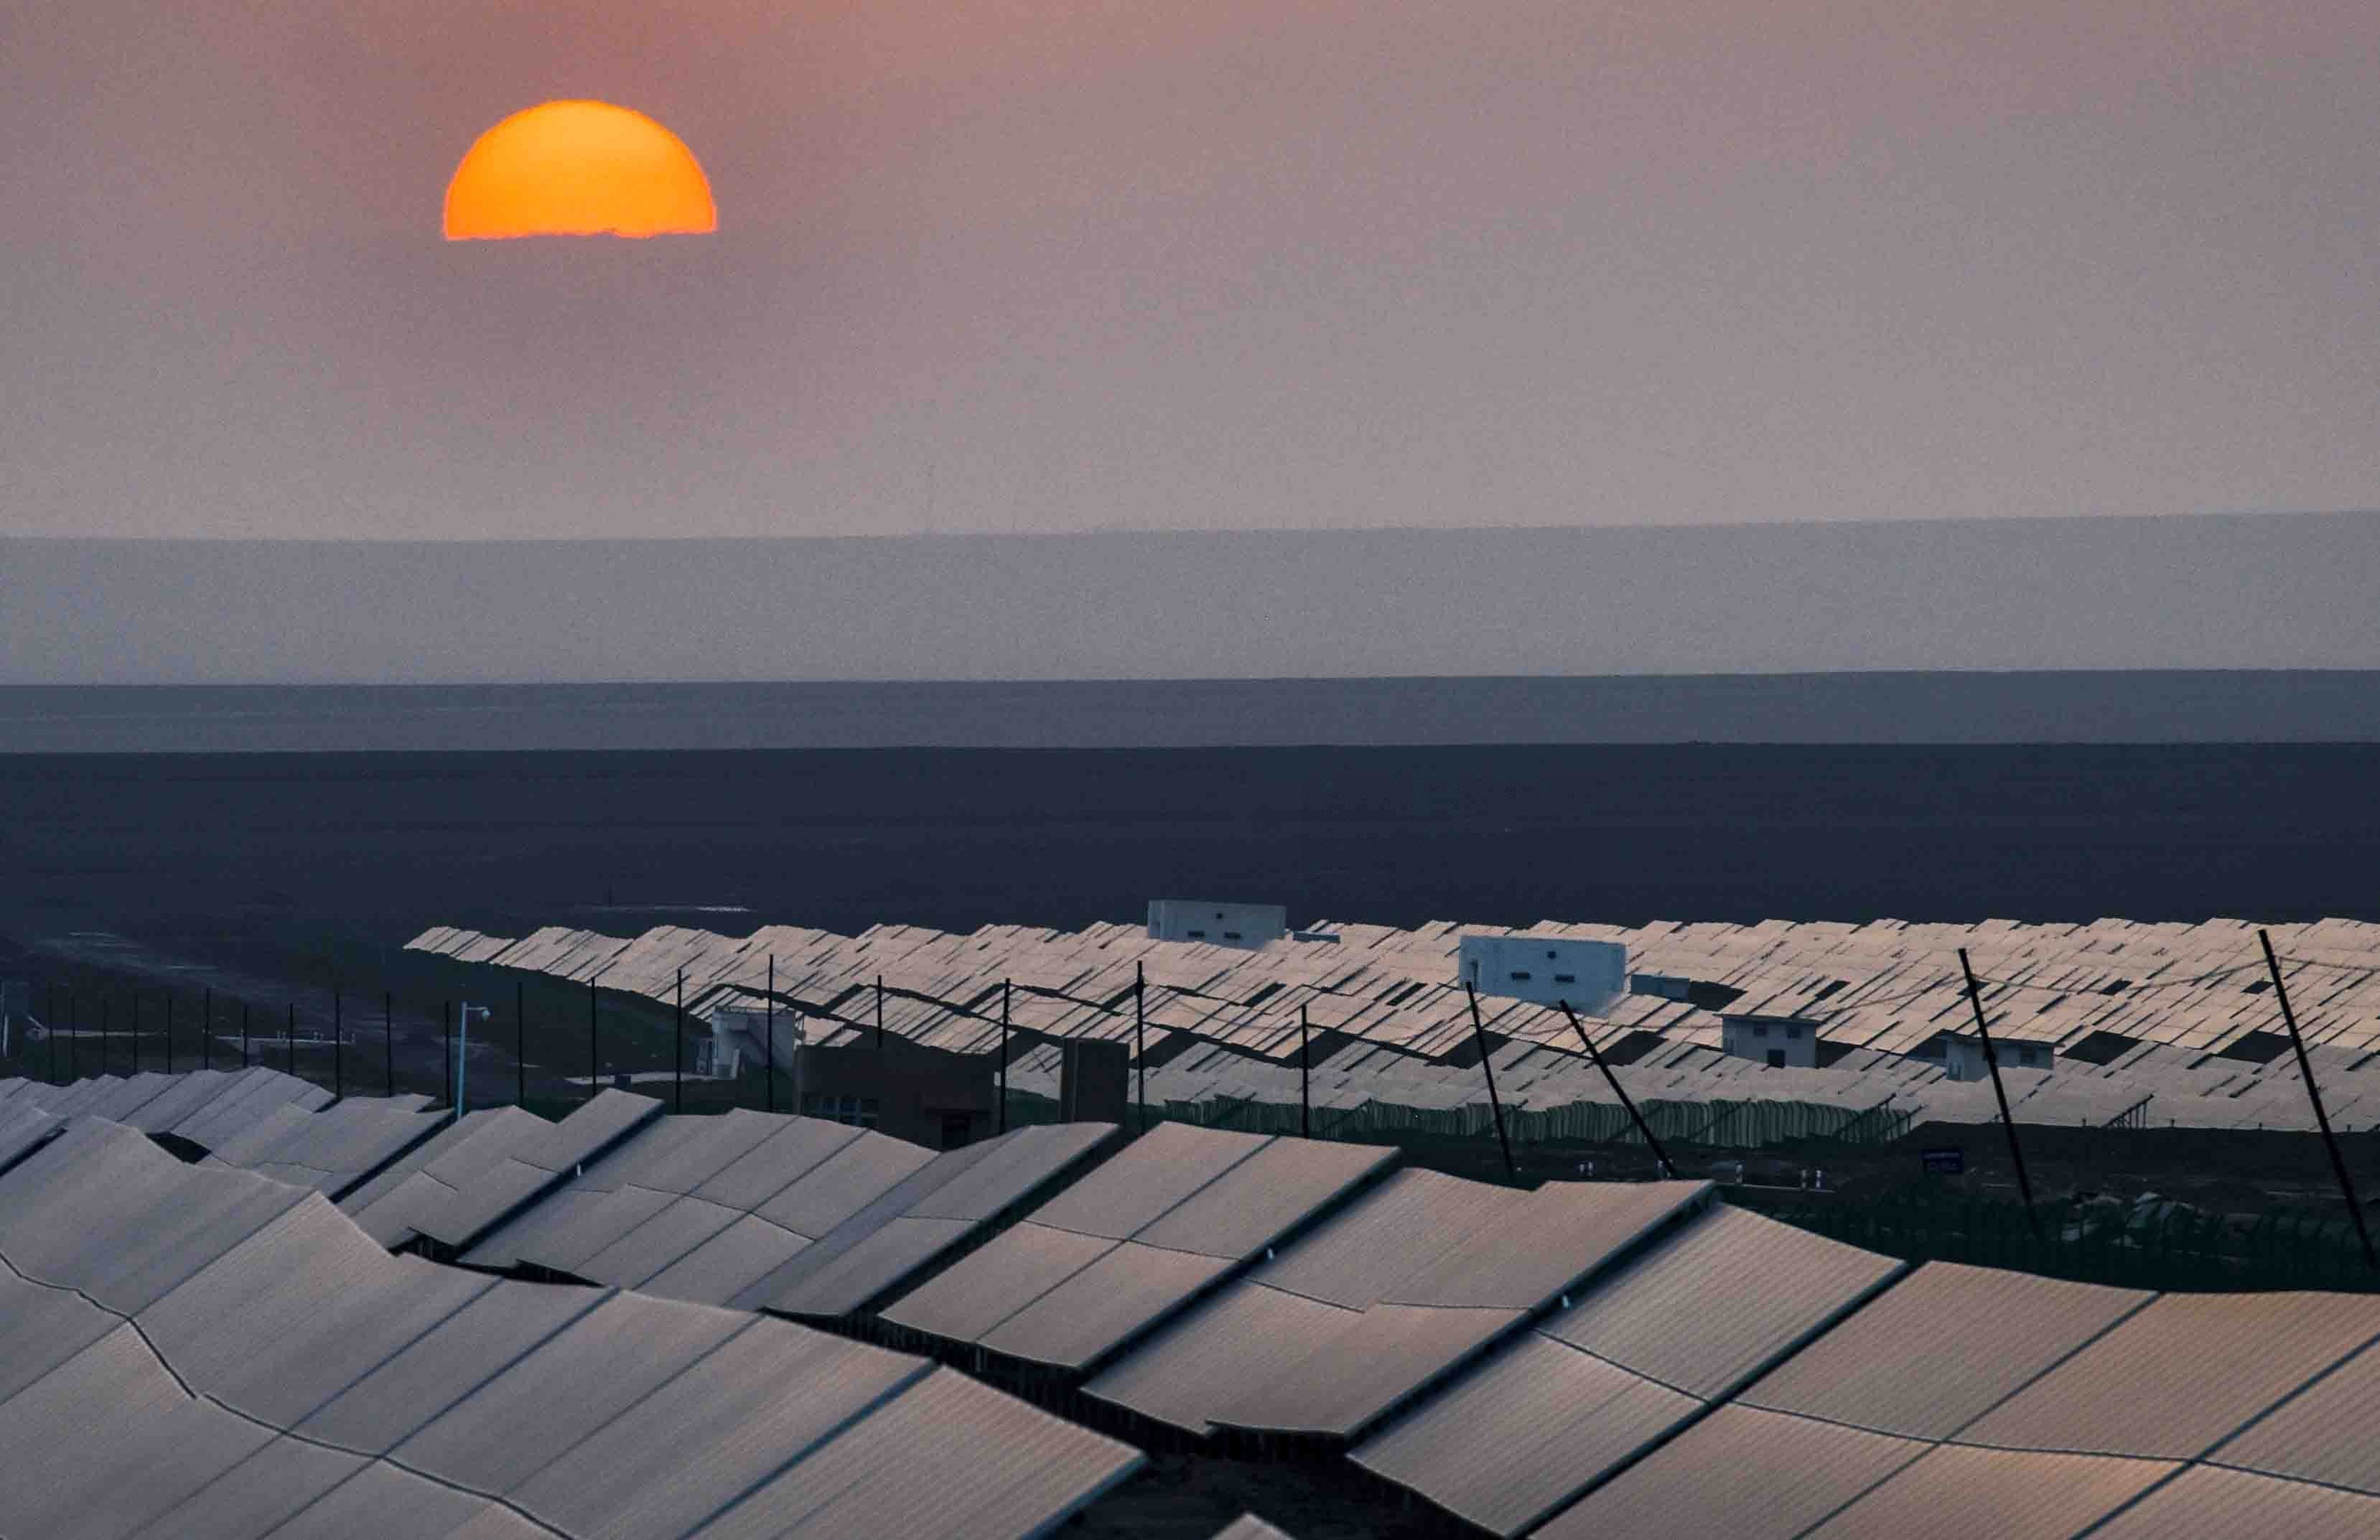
1861, 522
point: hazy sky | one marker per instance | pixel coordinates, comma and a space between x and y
990, 265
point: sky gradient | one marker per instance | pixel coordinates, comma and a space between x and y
1057, 265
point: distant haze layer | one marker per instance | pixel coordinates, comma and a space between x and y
2200, 593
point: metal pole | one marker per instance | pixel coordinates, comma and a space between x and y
338, 1046
1304, 1077
388, 1041
105, 1043
1140, 1037
74, 1043
2314, 1094
132, 1038
1992, 1062
446, 1034
289, 1038
1489, 1071
594, 1053
1644, 1129
769, 1052
677, 1066
169, 1032
520, 1043
880, 1013
1003, 1056
50, 1020
207, 1031
243, 1034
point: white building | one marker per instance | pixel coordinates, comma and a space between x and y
1962, 1057
1247, 926
741, 1032
1546, 969
1780, 1042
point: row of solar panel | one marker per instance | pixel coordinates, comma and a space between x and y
197, 1353
1502, 1352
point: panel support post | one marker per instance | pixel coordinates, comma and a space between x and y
2314, 1094
677, 1059
879, 1014
388, 1042
1644, 1129
769, 1051
446, 1032
1140, 1037
594, 1053
520, 1043
1488, 1070
1003, 1056
1992, 1062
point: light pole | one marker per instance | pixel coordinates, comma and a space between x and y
463, 1048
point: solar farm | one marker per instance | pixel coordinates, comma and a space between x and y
236, 1307
2165, 1025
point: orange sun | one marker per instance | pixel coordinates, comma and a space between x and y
578, 168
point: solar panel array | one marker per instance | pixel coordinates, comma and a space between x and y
2154, 1008
804, 1215
1177, 1211
1580, 1359
204, 1106
196, 1351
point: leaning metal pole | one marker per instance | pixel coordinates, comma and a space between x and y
1644, 1129
2305, 1068
1992, 1062
1489, 1071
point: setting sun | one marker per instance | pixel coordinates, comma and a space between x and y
578, 168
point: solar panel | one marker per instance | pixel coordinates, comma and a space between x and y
1739, 1472
2009, 1494
2205, 1504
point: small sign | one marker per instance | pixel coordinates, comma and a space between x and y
1948, 1160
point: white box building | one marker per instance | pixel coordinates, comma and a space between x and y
1780, 1042
1247, 925
1589, 975
1962, 1057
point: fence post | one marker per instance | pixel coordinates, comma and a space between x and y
243, 1034
594, 1054
1992, 1062
169, 1031
2314, 1094
290, 1037
677, 1062
879, 1017
446, 1033
1003, 1056
388, 1041
520, 1044
1488, 1070
1661, 1160
1140, 1037
338, 1045
207, 1030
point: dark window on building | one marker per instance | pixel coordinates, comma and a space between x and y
1231, 935
1792, 1034
1566, 978
1520, 977
1198, 935
1759, 1031
1777, 1059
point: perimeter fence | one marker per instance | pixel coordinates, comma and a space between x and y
2141, 1245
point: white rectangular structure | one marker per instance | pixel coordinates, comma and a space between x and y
1962, 1057
1780, 1042
1589, 975
1249, 927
